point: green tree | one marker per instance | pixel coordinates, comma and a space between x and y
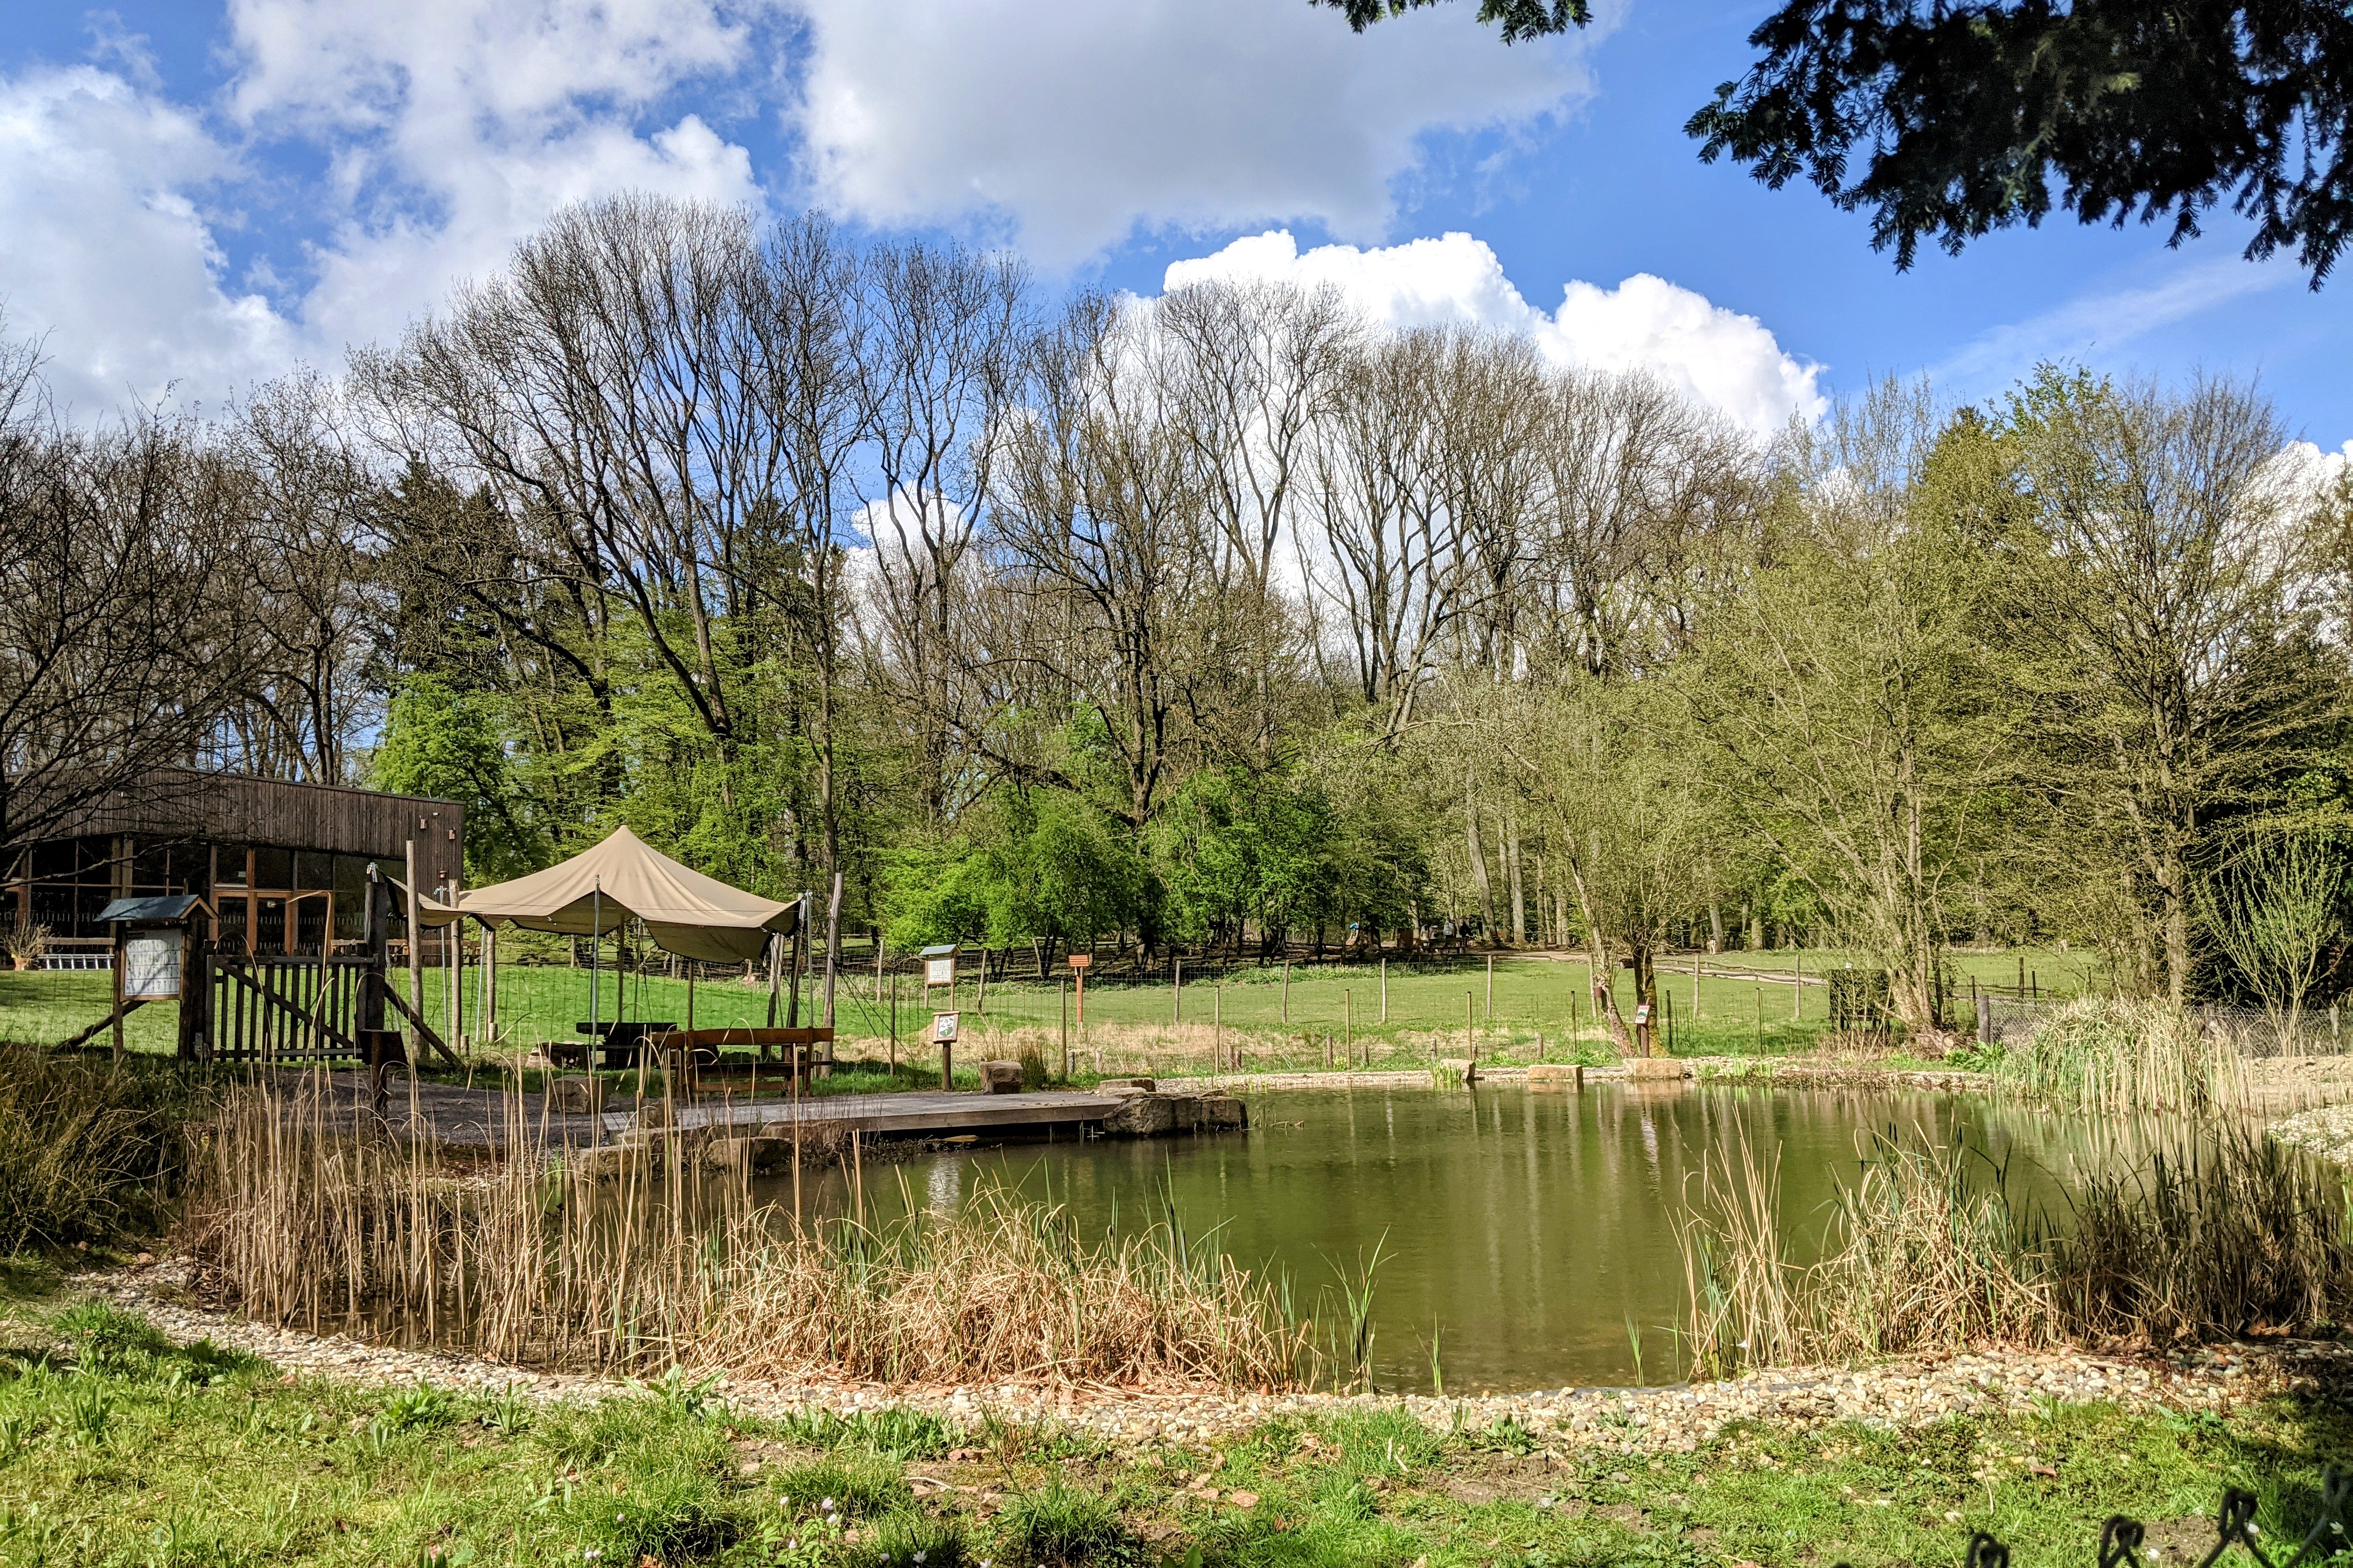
444, 741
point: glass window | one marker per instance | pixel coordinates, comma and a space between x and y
313, 871
273, 868
231, 862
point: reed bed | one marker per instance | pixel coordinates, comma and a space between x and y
2113, 1055
307, 1214
2213, 1233
91, 1149
1915, 1258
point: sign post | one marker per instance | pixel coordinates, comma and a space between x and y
944, 1030
1079, 962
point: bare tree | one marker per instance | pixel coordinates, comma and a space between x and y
119, 579
941, 369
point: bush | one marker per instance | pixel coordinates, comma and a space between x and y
91, 1150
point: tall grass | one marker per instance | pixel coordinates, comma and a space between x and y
1916, 1257
2109, 1054
91, 1149
307, 1215
2215, 1233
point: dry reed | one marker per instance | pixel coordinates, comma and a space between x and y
2216, 1233
307, 1215
1914, 1260
2110, 1053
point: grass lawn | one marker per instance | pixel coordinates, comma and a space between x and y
1446, 1012
119, 1451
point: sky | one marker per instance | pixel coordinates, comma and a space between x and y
197, 196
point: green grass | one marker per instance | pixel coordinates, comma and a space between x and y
118, 1451
1531, 995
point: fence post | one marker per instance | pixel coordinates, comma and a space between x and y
1385, 988
1985, 1019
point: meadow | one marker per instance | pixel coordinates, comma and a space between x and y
1434, 1007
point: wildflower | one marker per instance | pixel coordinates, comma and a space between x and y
919, 1554
591, 1554
827, 1505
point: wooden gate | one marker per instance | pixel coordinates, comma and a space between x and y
288, 1009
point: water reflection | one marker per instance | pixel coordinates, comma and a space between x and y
1531, 1226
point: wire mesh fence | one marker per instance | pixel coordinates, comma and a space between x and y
2314, 1031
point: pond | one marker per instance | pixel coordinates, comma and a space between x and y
1532, 1232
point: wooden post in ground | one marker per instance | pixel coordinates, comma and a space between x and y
1176, 991
1491, 987
1694, 984
1065, 987
1385, 988
1286, 990
1348, 1025
832, 952
121, 946
1470, 1028
415, 948
1796, 987
879, 939
453, 949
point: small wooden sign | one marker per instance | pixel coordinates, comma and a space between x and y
939, 972
151, 966
1642, 1014
1082, 960
944, 1028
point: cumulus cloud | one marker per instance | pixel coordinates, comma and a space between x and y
1076, 122
105, 251
458, 126
1727, 360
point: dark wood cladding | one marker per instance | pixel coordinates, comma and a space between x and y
229, 808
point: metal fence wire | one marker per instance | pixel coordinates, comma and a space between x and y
2121, 1537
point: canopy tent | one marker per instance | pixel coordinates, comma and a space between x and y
623, 879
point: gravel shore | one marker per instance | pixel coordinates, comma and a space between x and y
1904, 1393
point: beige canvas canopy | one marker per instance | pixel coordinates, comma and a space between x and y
620, 879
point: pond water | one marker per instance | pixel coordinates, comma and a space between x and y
1526, 1229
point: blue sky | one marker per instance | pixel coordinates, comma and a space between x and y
194, 197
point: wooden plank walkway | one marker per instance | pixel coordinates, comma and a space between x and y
909, 1113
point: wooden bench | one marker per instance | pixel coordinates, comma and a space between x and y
703, 1051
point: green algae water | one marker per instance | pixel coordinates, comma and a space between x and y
1530, 1232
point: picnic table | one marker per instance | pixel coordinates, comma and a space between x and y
623, 1044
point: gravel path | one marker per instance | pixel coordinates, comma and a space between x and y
1903, 1392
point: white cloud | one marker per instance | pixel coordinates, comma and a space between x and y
1725, 360
1079, 121
105, 253
2104, 320
458, 126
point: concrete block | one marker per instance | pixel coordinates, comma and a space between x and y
609, 1161
577, 1094
1000, 1078
1556, 1075
1656, 1068
1185, 1113
1126, 1086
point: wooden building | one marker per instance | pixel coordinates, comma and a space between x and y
282, 866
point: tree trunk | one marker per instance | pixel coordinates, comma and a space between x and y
1512, 869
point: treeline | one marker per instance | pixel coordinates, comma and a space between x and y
1225, 620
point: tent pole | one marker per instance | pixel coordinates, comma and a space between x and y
776, 973
596, 926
